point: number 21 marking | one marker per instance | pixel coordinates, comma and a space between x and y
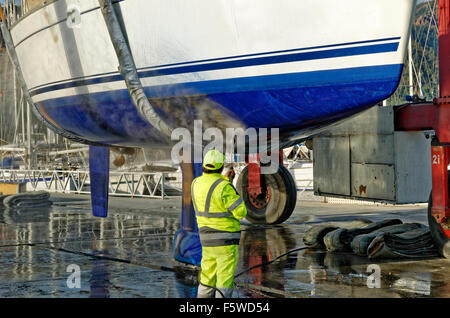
436, 159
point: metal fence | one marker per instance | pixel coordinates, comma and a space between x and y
14, 9
129, 184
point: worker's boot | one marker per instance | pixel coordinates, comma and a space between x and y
205, 291
224, 292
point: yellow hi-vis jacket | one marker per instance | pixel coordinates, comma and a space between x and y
218, 210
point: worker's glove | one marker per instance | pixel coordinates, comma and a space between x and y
230, 174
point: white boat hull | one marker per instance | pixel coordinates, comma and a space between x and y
295, 65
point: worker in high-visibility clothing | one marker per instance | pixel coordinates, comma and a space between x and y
219, 209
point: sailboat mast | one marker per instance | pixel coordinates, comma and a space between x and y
411, 86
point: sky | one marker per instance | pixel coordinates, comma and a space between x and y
2, 2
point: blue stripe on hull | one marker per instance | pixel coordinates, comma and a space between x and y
291, 102
225, 63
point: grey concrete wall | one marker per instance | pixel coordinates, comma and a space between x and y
365, 158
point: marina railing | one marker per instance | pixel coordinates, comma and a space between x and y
126, 184
15, 9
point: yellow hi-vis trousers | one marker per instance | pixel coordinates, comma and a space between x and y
218, 268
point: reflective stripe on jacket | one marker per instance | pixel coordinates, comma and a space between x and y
218, 209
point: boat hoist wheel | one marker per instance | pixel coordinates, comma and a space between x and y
277, 202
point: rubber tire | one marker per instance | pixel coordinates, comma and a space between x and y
283, 197
440, 239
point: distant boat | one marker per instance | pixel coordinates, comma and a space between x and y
295, 65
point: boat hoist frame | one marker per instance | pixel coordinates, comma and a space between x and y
436, 116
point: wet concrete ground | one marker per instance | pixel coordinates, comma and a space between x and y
128, 254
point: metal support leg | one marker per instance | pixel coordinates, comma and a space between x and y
440, 156
254, 177
254, 188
